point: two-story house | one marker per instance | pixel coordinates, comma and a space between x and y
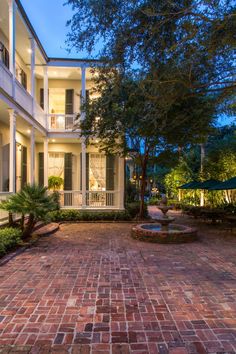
40, 98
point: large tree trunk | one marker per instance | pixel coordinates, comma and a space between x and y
142, 189
29, 226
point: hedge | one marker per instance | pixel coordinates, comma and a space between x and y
9, 239
76, 215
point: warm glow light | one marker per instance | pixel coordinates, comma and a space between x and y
28, 131
29, 50
60, 119
53, 140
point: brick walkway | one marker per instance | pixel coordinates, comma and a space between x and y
90, 288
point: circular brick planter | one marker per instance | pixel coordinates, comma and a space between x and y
176, 234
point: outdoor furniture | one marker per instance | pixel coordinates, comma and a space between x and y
213, 215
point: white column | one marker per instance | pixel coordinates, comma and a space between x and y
12, 41
32, 72
83, 164
32, 156
121, 182
45, 92
45, 147
12, 158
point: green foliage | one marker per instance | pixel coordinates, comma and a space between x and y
134, 208
55, 182
154, 201
9, 238
76, 215
33, 201
132, 192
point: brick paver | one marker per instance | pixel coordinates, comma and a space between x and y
91, 288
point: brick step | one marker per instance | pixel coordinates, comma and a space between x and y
46, 230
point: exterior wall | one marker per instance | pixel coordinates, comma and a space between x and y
65, 84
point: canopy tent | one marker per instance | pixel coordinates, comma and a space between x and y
226, 185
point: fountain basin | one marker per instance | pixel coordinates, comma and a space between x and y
154, 233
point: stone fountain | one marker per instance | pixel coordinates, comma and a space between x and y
162, 230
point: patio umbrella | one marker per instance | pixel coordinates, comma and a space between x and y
210, 183
226, 185
190, 185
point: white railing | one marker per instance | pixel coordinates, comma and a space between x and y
6, 81
61, 122
101, 199
93, 200
3, 213
70, 199
39, 114
23, 97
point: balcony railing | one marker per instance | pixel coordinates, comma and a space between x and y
61, 122
23, 97
6, 81
4, 214
94, 199
40, 115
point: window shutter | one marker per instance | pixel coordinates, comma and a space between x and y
69, 109
4, 55
41, 98
23, 166
87, 171
23, 79
68, 172
41, 169
110, 165
5, 167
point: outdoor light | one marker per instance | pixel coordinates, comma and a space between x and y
28, 131
140, 177
29, 50
134, 177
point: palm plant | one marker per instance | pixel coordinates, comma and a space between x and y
32, 201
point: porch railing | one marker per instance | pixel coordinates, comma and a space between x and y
93, 200
4, 214
61, 122
6, 80
23, 97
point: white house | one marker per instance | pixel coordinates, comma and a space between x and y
39, 100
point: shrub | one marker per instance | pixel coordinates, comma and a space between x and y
154, 201
33, 201
76, 215
133, 209
9, 238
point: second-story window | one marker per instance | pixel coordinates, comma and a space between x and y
4, 55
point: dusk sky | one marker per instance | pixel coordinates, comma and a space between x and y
48, 18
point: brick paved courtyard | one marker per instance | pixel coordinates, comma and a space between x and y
90, 288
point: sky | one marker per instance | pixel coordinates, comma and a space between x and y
48, 18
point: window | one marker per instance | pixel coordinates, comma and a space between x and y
56, 164
97, 172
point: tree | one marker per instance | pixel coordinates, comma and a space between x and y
186, 42
126, 122
32, 201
